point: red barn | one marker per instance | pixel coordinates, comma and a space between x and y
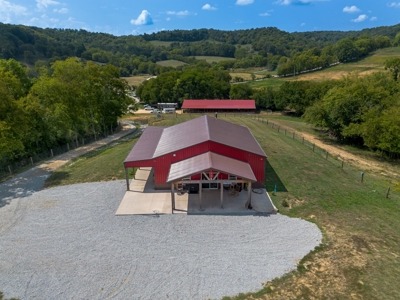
218, 106
204, 152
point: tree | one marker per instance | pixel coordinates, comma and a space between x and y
240, 91
346, 50
393, 65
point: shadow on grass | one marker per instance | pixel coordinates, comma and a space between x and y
56, 178
272, 179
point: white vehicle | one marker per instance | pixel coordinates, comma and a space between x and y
148, 108
155, 111
168, 110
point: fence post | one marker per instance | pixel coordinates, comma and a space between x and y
326, 155
387, 193
68, 146
9, 169
362, 177
279, 128
285, 131
31, 160
52, 154
342, 163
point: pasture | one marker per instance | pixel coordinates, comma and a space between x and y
359, 257
136, 80
171, 63
211, 59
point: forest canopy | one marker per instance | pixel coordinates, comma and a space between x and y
65, 102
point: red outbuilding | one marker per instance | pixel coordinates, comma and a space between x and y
203, 153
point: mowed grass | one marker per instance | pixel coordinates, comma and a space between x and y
104, 164
171, 63
360, 254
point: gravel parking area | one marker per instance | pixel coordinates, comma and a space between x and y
66, 243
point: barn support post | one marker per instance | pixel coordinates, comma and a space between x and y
127, 178
200, 194
222, 195
249, 193
172, 197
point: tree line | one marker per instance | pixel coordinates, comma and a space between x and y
65, 102
260, 47
363, 111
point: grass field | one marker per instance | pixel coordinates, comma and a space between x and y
372, 63
360, 256
171, 63
136, 80
211, 59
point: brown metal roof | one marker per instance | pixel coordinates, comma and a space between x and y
204, 129
146, 145
158, 141
207, 161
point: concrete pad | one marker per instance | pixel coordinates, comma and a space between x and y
143, 199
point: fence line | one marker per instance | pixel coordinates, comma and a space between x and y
8, 169
359, 175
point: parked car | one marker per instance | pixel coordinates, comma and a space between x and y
155, 111
148, 108
169, 110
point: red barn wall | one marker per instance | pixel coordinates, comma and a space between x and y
163, 163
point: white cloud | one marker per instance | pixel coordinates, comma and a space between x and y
394, 4
42, 4
61, 10
373, 19
143, 19
244, 2
168, 19
208, 7
266, 14
361, 18
303, 24
8, 9
289, 2
179, 13
351, 9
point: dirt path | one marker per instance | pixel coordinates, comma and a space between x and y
383, 168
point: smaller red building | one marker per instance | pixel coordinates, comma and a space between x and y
218, 106
204, 151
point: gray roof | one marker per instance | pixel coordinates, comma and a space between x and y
158, 141
207, 161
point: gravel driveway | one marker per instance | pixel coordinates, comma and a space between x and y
66, 243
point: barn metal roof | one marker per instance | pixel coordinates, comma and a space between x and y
219, 104
146, 145
207, 161
158, 141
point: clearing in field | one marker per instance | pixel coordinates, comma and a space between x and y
136, 80
171, 63
211, 59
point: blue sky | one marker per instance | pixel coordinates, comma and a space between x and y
136, 17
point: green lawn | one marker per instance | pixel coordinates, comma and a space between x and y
360, 257
104, 164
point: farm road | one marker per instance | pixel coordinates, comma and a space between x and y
31, 181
